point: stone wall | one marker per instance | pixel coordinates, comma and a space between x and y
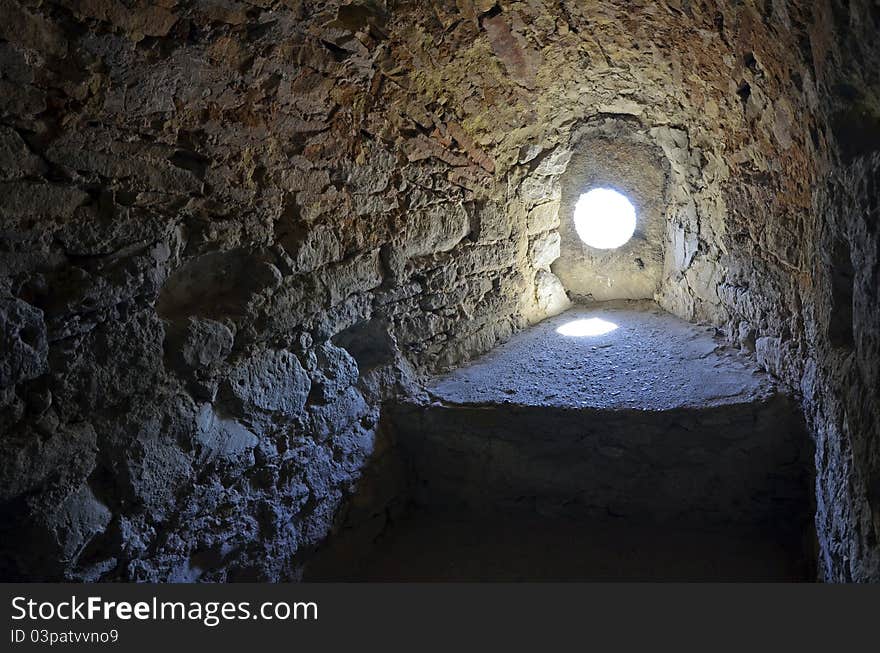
613, 155
230, 228
738, 466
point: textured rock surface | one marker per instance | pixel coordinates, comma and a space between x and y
614, 155
628, 441
193, 193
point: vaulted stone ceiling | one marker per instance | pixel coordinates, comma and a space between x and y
206, 207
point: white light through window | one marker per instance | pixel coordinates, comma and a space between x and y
593, 326
604, 218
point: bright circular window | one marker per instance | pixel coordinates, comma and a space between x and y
604, 218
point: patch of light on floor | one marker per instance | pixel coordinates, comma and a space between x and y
604, 219
593, 326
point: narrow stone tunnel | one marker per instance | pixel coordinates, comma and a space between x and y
315, 290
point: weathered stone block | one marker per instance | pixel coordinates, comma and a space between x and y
198, 342
74, 522
361, 273
220, 437
23, 336
16, 160
543, 218
336, 371
268, 383
436, 228
544, 249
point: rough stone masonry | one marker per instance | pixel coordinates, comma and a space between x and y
232, 228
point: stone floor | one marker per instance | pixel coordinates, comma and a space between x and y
648, 451
651, 360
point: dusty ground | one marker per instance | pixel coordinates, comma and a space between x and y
652, 360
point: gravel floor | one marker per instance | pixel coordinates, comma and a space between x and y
652, 360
